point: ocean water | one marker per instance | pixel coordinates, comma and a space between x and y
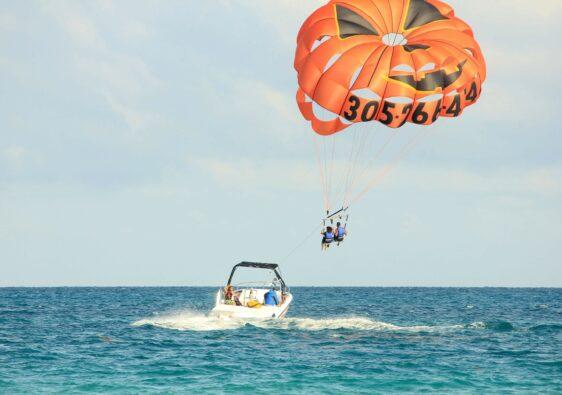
334, 340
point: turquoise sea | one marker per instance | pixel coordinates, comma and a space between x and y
334, 340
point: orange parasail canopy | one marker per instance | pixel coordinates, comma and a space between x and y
393, 61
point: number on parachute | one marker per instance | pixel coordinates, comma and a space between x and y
420, 116
355, 103
371, 107
386, 111
472, 93
436, 112
455, 107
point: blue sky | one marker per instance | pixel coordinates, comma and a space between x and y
149, 143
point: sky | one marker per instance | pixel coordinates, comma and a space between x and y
159, 143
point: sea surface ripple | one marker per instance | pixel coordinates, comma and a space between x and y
334, 340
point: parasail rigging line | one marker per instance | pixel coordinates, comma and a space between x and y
322, 176
415, 140
343, 181
367, 166
362, 140
300, 244
331, 171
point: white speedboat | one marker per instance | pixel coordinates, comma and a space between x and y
248, 300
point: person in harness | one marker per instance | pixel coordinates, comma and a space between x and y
340, 233
327, 237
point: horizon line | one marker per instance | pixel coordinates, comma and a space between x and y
293, 286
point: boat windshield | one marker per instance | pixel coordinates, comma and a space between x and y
249, 277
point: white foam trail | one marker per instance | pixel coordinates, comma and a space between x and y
197, 321
477, 325
190, 321
355, 323
319, 324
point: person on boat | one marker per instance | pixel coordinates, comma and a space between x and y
230, 296
327, 237
228, 292
340, 233
271, 298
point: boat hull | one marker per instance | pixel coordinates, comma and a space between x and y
262, 312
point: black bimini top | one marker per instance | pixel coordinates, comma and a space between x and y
271, 266
258, 265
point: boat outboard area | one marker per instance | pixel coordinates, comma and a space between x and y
265, 296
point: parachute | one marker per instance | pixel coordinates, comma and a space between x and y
391, 61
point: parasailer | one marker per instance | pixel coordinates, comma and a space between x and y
392, 61
340, 232
327, 237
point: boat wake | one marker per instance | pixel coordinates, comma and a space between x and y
188, 320
197, 321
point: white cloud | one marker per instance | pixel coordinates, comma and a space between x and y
134, 118
123, 79
546, 181
304, 176
8, 22
73, 20
272, 109
256, 175
509, 18
17, 157
284, 16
